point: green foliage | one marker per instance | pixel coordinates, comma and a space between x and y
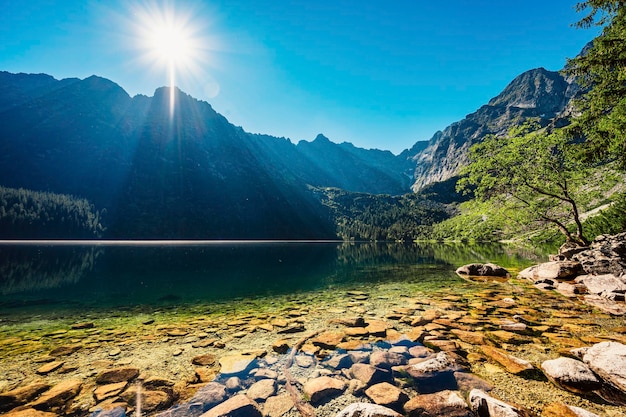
26, 214
532, 177
601, 70
360, 216
610, 220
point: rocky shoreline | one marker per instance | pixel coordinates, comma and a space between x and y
493, 348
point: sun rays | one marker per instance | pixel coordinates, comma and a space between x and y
170, 40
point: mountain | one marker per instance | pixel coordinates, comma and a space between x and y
538, 94
189, 173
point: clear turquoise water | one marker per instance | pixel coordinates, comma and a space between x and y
47, 278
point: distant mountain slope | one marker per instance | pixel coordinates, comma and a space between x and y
538, 94
190, 174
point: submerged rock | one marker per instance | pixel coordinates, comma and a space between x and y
444, 403
485, 405
367, 410
323, 388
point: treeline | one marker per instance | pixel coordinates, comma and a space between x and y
360, 216
27, 214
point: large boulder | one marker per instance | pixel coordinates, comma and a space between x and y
571, 375
483, 270
552, 271
608, 361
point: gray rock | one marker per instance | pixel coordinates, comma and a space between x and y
369, 374
552, 271
608, 361
483, 270
435, 374
367, 410
262, 390
485, 405
598, 284
210, 395
571, 375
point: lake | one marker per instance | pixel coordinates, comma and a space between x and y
67, 277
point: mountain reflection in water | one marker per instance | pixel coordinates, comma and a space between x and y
107, 275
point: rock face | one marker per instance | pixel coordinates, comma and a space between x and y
538, 93
598, 271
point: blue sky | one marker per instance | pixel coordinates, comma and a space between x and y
377, 74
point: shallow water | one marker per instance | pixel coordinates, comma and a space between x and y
67, 277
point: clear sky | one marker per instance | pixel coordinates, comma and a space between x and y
379, 74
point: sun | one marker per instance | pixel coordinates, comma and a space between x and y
169, 40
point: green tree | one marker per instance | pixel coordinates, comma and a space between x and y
601, 71
533, 176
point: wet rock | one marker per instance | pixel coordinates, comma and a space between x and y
293, 328
29, 412
84, 325
278, 405
420, 351
110, 390
571, 375
151, 400
367, 410
280, 346
483, 270
210, 395
350, 321
387, 395
474, 338
563, 410
485, 405
370, 375
262, 390
58, 395
236, 364
204, 374
434, 374
112, 376
377, 327
504, 336
467, 382
204, 360
115, 352
444, 403
328, 340
21, 395
608, 361
233, 384
323, 388
304, 361
511, 364
387, 360
65, 350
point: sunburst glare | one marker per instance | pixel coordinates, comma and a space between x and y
171, 40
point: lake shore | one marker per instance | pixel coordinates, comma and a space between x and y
164, 343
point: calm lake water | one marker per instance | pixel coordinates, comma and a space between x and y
48, 279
